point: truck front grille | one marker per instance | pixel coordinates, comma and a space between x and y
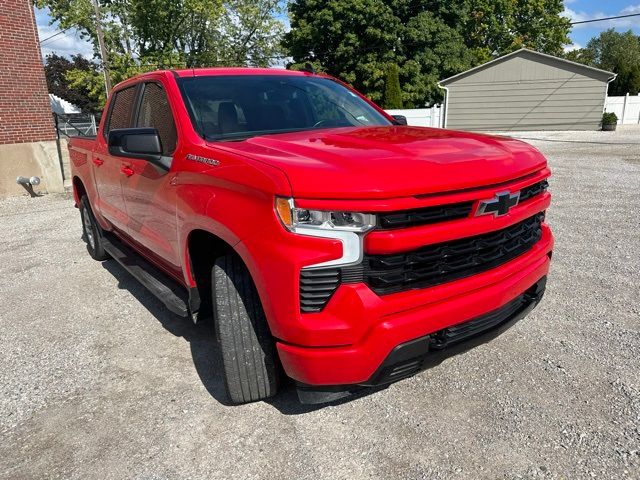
431, 265
445, 262
532, 190
444, 213
424, 216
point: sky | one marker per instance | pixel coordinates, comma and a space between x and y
579, 10
70, 43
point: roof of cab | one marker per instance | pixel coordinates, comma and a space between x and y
203, 72
212, 71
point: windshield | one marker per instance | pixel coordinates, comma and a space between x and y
242, 106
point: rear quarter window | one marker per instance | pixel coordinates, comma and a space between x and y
121, 109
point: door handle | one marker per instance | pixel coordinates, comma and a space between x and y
97, 161
127, 170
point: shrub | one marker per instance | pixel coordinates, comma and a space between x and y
392, 90
609, 118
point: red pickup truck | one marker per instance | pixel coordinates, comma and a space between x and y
329, 241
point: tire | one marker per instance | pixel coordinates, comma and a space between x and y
91, 232
247, 348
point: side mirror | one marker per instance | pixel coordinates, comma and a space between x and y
400, 119
142, 143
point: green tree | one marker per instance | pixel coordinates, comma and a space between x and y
492, 28
355, 40
250, 33
617, 52
497, 27
56, 69
392, 93
142, 35
427, 39
351, 39
430, 51
205, 32
627, 81
92, 80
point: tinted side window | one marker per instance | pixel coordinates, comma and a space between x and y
155, 112
121, 110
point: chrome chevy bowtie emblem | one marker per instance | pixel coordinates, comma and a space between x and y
205, 160
498, 205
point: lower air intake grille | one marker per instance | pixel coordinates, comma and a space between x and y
461, 332
316, 288
445, 262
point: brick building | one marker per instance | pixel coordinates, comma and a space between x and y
27, 133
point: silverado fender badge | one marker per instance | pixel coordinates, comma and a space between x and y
498, 205
205, 160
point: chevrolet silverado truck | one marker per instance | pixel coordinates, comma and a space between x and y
327, 241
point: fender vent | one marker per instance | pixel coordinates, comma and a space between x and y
316, 288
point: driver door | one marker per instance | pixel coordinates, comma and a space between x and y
149, 196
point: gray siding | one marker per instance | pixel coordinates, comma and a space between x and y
527, 92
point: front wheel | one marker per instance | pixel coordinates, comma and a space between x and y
247, 348
91, 231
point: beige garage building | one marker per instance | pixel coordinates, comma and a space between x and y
526, 90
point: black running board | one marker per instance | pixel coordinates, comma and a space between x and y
174, 296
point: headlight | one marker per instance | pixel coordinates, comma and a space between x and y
348, 227
296, 218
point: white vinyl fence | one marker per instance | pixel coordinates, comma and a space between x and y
626, 108
421, 117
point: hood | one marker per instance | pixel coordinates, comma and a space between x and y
387, 162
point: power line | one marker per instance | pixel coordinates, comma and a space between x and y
359, 50
572, 23
54, 40
606, 18
55, 35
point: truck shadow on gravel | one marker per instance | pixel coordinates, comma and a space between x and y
205, 352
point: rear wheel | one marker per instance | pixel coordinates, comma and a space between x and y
91, 231
247, 348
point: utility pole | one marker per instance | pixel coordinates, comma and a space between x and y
103, 50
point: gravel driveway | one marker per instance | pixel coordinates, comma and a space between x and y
98, 381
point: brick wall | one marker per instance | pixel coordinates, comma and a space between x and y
25, 113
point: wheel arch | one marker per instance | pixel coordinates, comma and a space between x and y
79, 190
202, 249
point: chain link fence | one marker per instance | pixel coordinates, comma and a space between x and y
75, 125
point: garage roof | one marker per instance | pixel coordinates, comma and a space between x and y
586, 70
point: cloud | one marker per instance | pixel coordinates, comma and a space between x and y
572, 47
576, 16
66, 44
630, 9
619, 23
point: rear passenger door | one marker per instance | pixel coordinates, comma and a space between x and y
148, 194
107, 168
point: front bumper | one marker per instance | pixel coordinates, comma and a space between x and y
416, 355
380, 324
